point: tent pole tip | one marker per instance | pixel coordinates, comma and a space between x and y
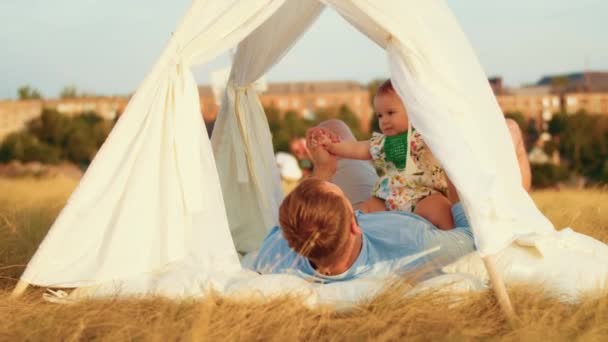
498, 285
19, 289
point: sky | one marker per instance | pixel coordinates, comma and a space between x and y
108, 46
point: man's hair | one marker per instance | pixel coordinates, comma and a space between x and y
386, 88
314, 220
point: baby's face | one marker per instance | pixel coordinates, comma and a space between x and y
392, 116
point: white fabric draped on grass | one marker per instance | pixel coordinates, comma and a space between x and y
152, 195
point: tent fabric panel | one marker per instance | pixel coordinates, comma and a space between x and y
450, 102
154, 183
241, 139
152, 196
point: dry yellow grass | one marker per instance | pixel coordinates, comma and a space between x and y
27, 192
584, 211
29, 209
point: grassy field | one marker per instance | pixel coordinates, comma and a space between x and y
28, 207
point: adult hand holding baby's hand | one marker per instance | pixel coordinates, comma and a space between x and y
313, 136
324, 162
318, 136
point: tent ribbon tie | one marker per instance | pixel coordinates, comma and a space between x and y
187, 135
175, 54
248, 152
240, 156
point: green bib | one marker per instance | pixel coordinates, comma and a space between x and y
395, 148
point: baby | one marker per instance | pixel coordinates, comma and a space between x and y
410, 178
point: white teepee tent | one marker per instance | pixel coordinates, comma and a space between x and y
152, 195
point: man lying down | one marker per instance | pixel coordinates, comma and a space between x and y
323, 238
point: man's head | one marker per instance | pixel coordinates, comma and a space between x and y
318, 221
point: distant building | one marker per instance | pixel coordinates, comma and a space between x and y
578, 82
570, 93
535, 102
590, 103
580, 92
14, 115
304, 98
532, 105
496, 84
307, 98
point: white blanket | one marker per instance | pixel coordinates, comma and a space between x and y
567, 264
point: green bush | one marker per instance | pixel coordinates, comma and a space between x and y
604, 175
55, 137
26, 147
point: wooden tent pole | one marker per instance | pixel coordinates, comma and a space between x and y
499, 289
19, 289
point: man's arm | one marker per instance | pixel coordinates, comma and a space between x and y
520, 152
324, 163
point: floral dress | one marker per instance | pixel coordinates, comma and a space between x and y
402, 188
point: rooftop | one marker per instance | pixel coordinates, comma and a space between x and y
588, 81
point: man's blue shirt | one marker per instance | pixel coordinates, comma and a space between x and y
392, 243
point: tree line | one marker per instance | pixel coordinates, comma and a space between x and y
580, 139
54, 137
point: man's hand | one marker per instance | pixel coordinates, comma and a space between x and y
321, 136
324, 163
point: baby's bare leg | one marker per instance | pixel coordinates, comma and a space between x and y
371, 205
438, 210
452, 193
